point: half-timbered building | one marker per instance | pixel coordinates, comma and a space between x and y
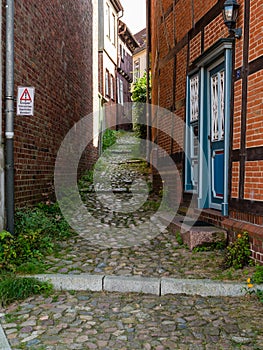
207, 69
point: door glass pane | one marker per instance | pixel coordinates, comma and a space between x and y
217, 106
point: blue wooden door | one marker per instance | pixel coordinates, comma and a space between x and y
216, 136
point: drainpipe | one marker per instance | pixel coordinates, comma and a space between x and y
148, 98
2, 174
9, 102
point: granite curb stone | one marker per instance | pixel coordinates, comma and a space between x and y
146, 285
4, 345
81, 282
132, 284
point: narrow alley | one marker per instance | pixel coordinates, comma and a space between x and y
112, 320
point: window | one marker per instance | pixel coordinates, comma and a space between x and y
112, 87
121, 52
136, 69
193, 133
120, 91
107, 20
107, 92
113, 29
217, 106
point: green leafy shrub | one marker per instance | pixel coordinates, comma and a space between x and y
258, 275
36, 230
8, 252
108, 139
238, 253
139, 97
15, 251
14, 288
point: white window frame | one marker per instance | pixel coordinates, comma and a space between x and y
112, 87
136, 69
113, 28
107, 90
121, 91
107, 20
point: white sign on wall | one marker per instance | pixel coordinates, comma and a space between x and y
25, 100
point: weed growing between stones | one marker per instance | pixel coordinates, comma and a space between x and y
238, 254
210, 247
257, 278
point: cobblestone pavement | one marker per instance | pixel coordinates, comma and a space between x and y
153, 251
132, 321
112, 321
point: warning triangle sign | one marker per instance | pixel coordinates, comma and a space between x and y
25, 97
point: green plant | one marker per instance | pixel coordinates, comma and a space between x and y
139, 97
15, 288
179, 238
86, 178
31, 267
109, 138
258, 275
210, 247
7, 250
36, 230
251, 289
10, 318
238, 253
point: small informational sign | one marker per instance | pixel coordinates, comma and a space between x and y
25, 100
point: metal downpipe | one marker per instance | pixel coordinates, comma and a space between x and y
9, 103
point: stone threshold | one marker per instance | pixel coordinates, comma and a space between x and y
145, 285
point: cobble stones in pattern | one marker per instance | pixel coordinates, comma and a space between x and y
112, 321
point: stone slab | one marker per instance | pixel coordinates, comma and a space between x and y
135, 284
202, 287
74, 282
194, 236
4, 345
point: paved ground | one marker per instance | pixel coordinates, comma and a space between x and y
132, 321
86, 320
125, 239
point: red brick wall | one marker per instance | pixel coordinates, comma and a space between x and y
255, 110
256, 34
53, 53
254, 180
195, 47
214, 31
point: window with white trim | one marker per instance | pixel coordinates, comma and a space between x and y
107, 20
121, 92
136, 70
113, 29
112, 87
107, 88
